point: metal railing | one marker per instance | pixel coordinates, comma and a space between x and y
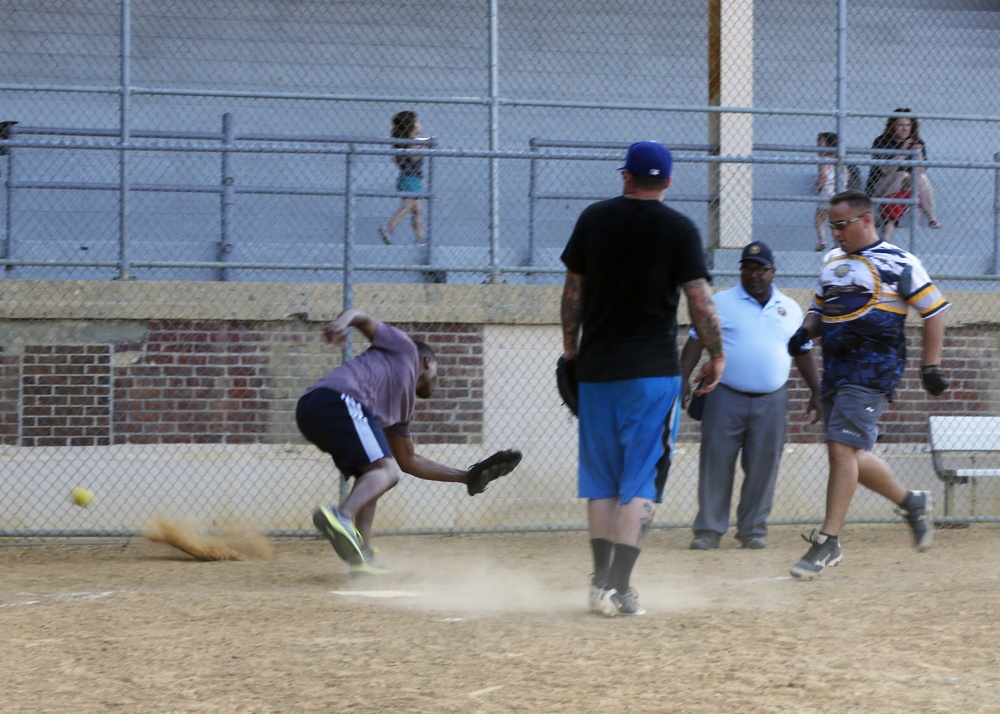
706, 151
225, 143
228, 142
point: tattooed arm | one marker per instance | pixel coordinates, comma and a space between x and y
705, 321
571, 311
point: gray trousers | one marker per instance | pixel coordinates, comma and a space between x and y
733, 423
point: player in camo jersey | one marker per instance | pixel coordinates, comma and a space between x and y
866, 287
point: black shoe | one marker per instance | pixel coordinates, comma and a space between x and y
917, 510
705, 540
755, 543
613, 603
824, 553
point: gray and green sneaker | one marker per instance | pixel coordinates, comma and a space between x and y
340, 531
368, 564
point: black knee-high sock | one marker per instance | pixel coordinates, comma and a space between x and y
602, 549
621, 566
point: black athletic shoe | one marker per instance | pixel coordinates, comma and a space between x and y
917, 511
824, 553
705, 540
755, 543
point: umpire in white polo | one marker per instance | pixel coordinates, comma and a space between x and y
747, 413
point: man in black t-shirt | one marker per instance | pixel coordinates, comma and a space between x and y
627, 260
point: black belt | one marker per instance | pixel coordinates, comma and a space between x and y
747, 394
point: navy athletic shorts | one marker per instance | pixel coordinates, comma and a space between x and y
342, 427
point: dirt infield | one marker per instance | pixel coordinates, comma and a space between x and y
492, 623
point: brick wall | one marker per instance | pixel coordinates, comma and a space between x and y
9, 398
970, 361
237, 381
192, 382
66, 395
211, 382
455, 413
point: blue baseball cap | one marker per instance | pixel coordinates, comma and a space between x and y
648, 158
758, 251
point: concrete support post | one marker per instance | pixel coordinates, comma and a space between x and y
731, 50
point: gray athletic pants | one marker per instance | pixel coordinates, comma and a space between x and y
733, 422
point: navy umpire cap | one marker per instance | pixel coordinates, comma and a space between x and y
759, 252
648, 158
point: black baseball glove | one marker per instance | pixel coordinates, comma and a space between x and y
566, 381
932, 380
696, 406
479, 475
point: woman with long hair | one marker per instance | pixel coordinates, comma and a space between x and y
901, 133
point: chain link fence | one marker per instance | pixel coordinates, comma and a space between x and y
191, 189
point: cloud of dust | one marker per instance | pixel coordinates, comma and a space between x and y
228, 545
488, 587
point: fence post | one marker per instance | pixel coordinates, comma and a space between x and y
429, 220
996, 217
532, 179
6, 249
841, 118
348, 264
494, 103
348, 239
123, 173
225, 244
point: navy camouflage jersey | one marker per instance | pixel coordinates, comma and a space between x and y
863, 298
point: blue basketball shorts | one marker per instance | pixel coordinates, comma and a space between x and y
628, 430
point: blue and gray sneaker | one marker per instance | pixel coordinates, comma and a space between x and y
340, 531
824, 553
918, 509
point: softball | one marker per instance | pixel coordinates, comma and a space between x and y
81, 497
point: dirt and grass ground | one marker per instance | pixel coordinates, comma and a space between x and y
498, 623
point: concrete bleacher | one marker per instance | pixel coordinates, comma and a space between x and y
580, 60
